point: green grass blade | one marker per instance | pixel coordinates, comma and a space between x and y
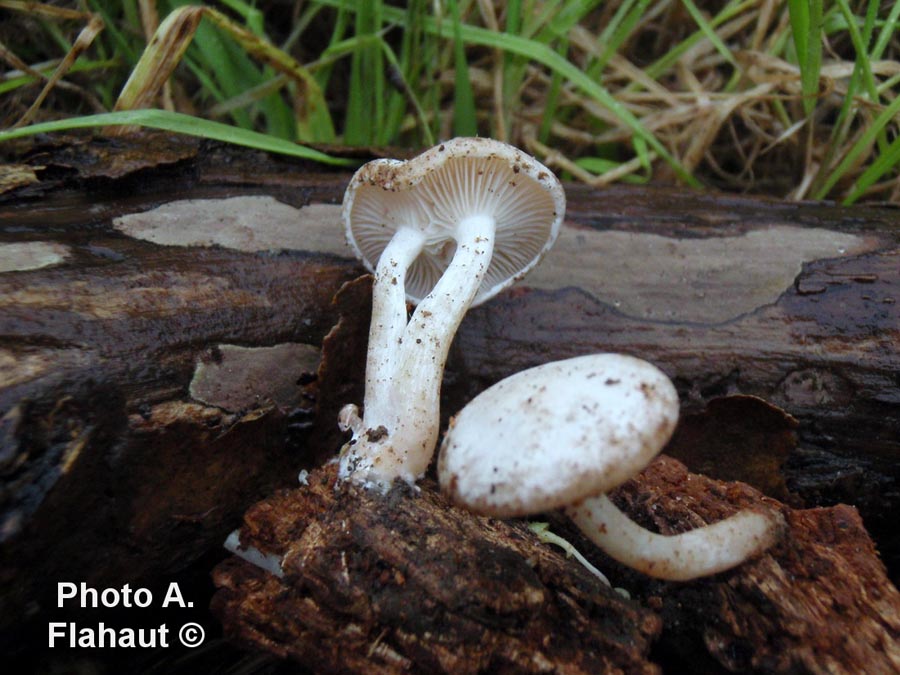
252, 16
643, 153
514, 68
866, 140
350, 46
546, 56
229, 63
377, 71
886, 162
182, 124
465, 121
709, 32
365, 98
862, 53
124, 48
209, 87
433, 58
599, 166
806, 24
557, 63
569, 15
536, 20
659, 67
339, 28
618, 30
800, 27
406, 69
56, 33
888, 31
513, 16
225, 48
81, 66
551, 102
355, 123
407, 94
862, 75
279, 117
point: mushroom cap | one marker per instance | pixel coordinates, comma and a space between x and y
436, 190
553, 435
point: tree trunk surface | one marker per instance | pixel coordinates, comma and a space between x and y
163, 309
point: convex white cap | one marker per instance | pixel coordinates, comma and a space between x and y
552, 435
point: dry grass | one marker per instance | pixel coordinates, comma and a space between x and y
736, 95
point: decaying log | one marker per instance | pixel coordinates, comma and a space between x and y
128, 433
405, 582
817, 602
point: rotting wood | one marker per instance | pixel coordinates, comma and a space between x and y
817, 602
405, 582
787, 611
105, 456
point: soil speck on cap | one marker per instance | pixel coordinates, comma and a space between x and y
373, 435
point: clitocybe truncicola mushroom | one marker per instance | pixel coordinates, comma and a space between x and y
563, 434
446, 230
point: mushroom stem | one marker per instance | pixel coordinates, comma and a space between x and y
427, 339
401, 415
442, 310
680, 557
386, 333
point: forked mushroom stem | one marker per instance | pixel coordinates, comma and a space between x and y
388, 318
398, 432
680, 557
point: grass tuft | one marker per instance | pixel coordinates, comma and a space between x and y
790, 98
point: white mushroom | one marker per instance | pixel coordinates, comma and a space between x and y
447, 230
563, 434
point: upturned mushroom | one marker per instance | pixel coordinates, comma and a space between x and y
446, 230
562, 435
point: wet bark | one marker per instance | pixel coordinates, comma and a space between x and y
778, 322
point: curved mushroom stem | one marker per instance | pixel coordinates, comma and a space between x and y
388, 321
401, 414
427, 339
680, 557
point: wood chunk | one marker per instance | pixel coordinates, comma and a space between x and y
15, 176
817, 602
404, 582
114, 158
